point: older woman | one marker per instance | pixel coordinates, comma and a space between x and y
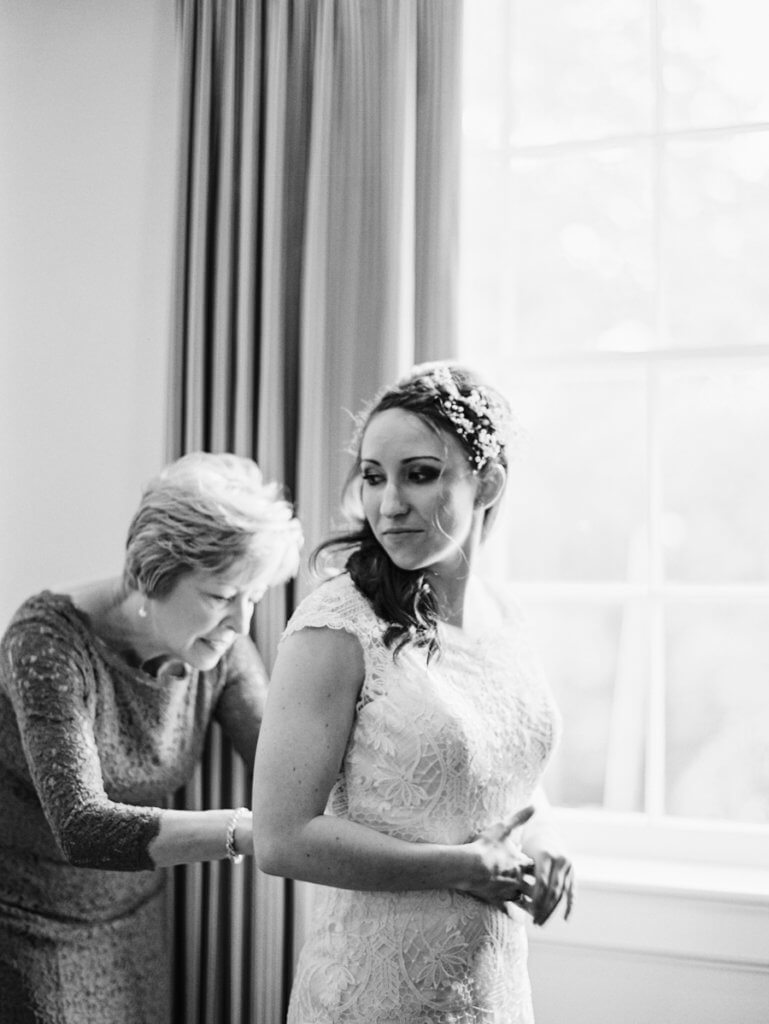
106, 693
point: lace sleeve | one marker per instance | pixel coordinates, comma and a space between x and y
49, 681
336, 604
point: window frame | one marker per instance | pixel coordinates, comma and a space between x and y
651, 835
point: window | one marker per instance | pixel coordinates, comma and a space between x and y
615, 258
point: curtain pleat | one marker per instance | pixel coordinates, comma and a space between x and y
228, 931
438, 140
316, 249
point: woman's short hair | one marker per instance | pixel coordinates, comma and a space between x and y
207, 512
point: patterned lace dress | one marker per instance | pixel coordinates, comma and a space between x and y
437, 753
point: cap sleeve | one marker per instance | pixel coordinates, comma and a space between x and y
337, 604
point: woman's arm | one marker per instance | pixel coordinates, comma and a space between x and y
187, 837
308, 720
48, 679
240, 707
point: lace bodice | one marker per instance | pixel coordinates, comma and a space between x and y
437, 753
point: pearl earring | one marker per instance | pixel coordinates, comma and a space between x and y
142, 611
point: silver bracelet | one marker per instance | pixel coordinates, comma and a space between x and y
229, 843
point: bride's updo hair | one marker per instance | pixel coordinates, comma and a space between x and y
451, 400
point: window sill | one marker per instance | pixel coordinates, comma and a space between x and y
697, 845
715, 883
668, 909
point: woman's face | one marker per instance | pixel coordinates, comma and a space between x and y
205, 612
418, 492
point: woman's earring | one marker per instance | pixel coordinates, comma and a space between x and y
142, 611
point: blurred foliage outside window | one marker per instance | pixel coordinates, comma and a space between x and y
615, 284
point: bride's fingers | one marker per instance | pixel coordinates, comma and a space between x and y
518, 819
557, 888
524, 898
526, 892
542, 890
523, 871
569, 886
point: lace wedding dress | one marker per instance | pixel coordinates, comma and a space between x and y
437, 753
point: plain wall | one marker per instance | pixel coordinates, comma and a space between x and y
88, 164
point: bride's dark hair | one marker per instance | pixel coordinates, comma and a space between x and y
449, 399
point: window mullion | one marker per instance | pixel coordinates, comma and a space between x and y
656, 712
656, 716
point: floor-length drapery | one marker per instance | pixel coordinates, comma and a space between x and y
316, 258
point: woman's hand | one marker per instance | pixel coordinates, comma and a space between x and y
505, 873
553, 878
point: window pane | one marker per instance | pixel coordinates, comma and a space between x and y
715, 439
614, 251
579, 69
485, 74
715, 230
714, 61
576, 497
571, 245
718, 712
486, 308
593, 656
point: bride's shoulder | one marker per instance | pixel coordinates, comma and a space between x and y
335, 603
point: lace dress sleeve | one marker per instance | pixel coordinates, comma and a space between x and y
337, 604
49, 680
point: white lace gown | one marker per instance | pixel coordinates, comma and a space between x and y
437, 753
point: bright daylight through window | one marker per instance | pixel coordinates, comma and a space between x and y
615, 258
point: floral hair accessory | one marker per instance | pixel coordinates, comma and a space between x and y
478, 415
477, 419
